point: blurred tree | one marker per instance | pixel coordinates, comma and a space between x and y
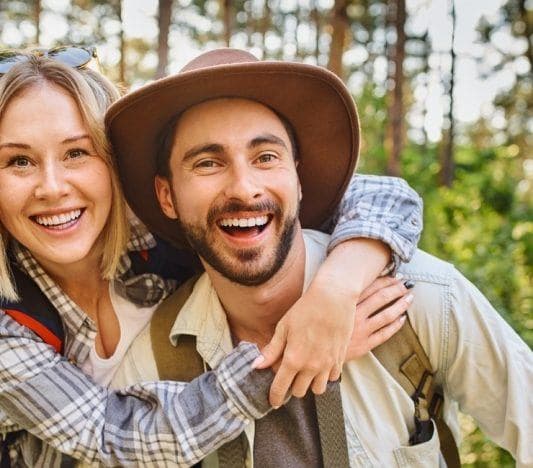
163, 22
396, 108
447, 166
339, 38
37, 20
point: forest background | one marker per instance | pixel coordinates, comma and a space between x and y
443, 88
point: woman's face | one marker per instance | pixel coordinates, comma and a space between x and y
55, 191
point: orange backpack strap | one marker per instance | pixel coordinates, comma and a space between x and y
34, 310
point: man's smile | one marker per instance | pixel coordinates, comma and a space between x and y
244, 225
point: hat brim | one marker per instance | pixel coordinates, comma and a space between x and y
312, 99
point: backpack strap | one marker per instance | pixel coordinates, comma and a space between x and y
34, 310
166, 261
181, 362
405, 359
184, 363
330, 418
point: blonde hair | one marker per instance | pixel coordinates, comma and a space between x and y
93, 94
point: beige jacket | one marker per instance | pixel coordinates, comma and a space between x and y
482, 364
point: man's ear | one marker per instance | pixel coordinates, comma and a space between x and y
163, 191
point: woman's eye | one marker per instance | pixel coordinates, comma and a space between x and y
76, 153
19, 162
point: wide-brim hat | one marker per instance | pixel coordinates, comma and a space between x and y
313, 100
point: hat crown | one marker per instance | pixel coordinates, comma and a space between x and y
219, 57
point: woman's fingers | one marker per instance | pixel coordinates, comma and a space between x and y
381, 297
389, 314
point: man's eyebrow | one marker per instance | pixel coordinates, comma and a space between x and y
203, 148
76, 138
15, 145
266, 138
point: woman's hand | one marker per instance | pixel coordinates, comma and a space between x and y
380, 314
308, 362
310, 342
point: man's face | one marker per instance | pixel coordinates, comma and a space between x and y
234, 188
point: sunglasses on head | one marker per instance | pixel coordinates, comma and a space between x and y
73, 56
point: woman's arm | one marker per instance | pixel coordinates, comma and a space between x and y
377, 216
170, 422
179, 423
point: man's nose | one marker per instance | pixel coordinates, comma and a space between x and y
244, 183
52, 182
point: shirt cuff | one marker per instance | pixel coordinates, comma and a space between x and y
246, 387
368, 229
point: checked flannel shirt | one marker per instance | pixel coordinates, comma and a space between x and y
157, 423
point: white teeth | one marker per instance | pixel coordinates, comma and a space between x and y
244, 222
57, 220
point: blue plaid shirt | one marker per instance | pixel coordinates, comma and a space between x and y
150, 424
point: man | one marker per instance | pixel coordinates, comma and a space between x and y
243, 165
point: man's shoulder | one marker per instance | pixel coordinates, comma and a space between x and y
425, 267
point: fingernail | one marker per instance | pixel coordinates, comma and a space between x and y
409, 298
409, 284
402, 318
398, 276
257, 361
276, 407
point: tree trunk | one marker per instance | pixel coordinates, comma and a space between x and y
396, 113
227, 18
315, 16
426, 72
264, 27
339, 25
37, 20
448, 165
122, 46
297, 16
163, 23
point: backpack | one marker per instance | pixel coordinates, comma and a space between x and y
402, 355
36, 312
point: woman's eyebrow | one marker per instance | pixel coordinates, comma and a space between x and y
76, 138
14, 145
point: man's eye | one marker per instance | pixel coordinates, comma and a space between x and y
266, 158
206, 164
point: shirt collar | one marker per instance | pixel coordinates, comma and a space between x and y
203, 316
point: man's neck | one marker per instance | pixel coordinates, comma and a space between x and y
254, 311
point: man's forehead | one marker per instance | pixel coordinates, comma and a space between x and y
227, 118
233, 105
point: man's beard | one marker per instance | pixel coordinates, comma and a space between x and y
239, 268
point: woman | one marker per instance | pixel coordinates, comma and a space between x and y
64, 222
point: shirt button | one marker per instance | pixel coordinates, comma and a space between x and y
13, 454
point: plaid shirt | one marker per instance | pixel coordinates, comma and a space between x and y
156, 423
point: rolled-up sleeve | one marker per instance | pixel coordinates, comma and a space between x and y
382, 208
148, 423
